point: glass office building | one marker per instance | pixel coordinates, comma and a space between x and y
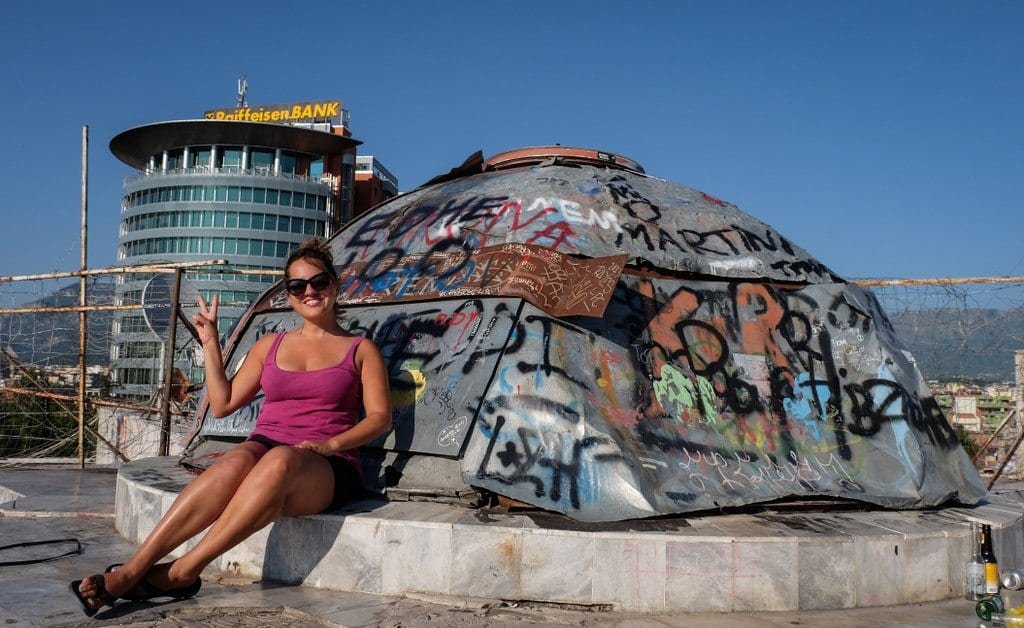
248, 192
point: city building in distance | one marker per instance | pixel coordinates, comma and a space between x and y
245, 184
374, 183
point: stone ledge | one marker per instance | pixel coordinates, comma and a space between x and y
741, 562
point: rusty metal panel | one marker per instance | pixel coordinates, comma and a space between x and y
440, 357
694, 395
556, 283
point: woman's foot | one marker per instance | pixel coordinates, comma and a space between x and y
104, 589
95, 595
161, 581
116, 582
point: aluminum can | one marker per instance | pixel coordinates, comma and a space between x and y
1012, 579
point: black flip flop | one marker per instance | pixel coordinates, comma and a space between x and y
103, 596
152, 591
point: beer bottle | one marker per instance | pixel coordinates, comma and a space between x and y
991, 566
975, 589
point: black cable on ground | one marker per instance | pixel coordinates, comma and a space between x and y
11, 563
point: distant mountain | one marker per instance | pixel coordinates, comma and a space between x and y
45, 339
974, 343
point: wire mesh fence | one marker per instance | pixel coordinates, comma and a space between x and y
963, 335
60, 396
40, 366
966, 330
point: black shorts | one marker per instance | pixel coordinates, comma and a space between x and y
348, 483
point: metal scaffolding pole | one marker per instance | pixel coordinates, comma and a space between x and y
82, 284
938, 281
165, 407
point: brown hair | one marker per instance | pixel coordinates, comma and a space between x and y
315, 251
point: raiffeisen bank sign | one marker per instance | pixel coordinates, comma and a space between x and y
318, 111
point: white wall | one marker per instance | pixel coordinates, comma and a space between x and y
136, 434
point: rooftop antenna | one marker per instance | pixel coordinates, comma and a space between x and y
243, 87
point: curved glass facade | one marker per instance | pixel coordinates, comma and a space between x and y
249, 205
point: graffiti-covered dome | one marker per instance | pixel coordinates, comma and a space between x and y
569, 332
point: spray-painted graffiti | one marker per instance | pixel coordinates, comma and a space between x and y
551, 463
431, 351
728, 366
716, 393
660, 224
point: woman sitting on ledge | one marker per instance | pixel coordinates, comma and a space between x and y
300, 459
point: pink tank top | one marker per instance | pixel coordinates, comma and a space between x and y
310, 405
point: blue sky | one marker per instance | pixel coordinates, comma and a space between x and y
884, 137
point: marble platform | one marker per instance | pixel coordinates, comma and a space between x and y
768, 560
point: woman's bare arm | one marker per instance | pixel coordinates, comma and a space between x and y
227, 395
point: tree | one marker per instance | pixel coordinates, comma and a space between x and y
970, 445
34, 423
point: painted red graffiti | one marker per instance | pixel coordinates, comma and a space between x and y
559, 233
458, 319
712, 199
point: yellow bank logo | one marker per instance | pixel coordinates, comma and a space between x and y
292, 112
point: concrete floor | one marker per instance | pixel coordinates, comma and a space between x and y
48, 504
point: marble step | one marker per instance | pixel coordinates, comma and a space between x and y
764, 561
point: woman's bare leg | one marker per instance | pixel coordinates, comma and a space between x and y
287, 481
200, 503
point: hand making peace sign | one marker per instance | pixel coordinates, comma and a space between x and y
205, 320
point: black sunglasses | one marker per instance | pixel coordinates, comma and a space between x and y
297, 287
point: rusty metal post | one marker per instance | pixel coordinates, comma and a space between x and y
165, 406
82, 327
938, 281
1018, 371
988, 441
1006, 460
142, 268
